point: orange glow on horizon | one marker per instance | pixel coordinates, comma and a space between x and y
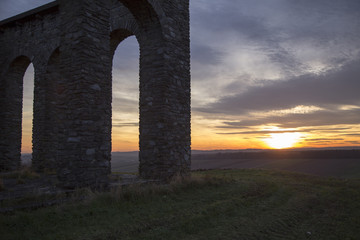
283, 140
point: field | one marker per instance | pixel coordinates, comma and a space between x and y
342, 164
216, 204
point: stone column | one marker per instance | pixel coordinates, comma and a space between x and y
39, 119
165, 91
45, 123
84, 94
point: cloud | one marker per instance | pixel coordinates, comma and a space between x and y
259, 132
205, 55
281, 30
316, 131
125, 105
329, 90
324, 23
323, 139
226, 26
353, 134
120, 125
239, 45
321, 118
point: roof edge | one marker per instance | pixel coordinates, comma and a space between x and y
25, 16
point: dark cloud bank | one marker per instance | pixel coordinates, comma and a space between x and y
328, 91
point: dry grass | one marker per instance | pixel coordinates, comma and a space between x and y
231, 204
141, 191
28, 173
24, 173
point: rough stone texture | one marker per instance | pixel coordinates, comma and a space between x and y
28, 39
71, 44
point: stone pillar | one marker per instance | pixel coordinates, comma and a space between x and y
84, 94
39, 152
45, 123
165, 91
11, 99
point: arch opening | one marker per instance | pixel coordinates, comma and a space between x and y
27, 115
125, 102
11, 102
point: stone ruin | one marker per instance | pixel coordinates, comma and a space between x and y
71, 45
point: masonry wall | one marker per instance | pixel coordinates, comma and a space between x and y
23, 42
72, 47
165, 90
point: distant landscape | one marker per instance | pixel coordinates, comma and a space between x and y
341, 163
332, 162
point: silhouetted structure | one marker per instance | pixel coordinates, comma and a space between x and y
71, 45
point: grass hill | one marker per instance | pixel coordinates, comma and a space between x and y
216, 204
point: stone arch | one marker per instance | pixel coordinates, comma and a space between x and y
82, 30
144, 13
151, 43
11, 113
45, 124
126, 22
164, 150
116, 37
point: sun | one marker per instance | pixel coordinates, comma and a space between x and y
282, 140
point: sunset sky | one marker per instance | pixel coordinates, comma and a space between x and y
265, 74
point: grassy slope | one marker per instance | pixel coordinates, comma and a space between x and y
230, 204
